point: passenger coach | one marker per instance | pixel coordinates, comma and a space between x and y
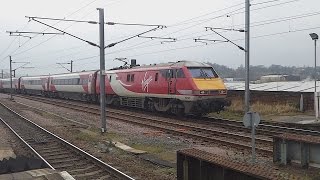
34, 85
78, 86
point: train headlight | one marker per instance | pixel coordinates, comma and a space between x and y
202, 92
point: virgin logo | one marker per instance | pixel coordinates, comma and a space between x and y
145, 82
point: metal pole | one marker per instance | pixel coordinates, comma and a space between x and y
14, 73
316, 106
2, 74
247, 56
247, 87
10, 77
71, 66
102, 72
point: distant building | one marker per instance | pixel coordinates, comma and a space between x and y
233, 79
278, 78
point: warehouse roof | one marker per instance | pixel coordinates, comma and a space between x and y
293, 86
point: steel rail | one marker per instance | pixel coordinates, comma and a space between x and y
143, 123
267, 128
194, 128
28, 145
111, 169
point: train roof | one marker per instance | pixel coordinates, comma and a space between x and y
178, 64
8, 79
72, 74
33, 77
175, 64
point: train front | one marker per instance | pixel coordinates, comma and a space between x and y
209, 90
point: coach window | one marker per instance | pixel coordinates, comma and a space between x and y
132, 77
110, 78
128, 77
156, 77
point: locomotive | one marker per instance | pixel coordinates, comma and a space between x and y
183, 87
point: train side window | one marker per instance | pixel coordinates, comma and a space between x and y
110, 78
156, 77
128, 77
166, 73
132, 78
163, 73
180, 73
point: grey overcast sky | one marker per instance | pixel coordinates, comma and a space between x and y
280, 32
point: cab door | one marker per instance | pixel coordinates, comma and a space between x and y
172, 81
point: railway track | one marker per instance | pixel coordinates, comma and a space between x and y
266, 128
56, 152
181, 128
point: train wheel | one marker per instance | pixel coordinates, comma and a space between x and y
150, 106
177, 109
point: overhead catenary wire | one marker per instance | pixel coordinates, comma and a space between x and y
254, 37
6, 49
50, 52
64, 32
57, 19
233, 12
113, 44
187, 20
39, 44
29, 32
70, 14
271, 21
48, 39
214, 43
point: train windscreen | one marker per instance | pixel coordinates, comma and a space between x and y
202, 72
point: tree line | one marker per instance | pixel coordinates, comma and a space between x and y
257, 71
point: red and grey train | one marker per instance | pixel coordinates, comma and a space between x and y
183, 87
